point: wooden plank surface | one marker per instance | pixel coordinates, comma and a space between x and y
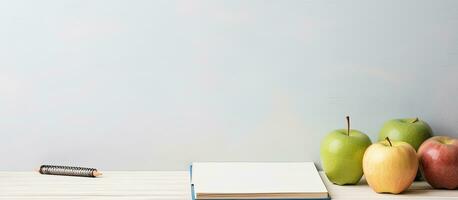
163, 185
135, 185
418, 190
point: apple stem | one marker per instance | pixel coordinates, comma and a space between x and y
388, 139
348, 125
415, 120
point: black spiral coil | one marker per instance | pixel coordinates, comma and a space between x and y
67, 170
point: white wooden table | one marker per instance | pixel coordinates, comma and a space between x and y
418, 190
164, 185
161, 185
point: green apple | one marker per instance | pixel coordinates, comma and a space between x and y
411, 130
342, 154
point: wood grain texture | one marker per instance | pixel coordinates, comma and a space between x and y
163, 185
160, 185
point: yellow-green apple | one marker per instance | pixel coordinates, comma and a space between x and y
438, 158
390, 166
410, 130
342, 153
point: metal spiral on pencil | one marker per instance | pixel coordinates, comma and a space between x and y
68, 171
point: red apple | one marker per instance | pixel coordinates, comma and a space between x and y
438, 158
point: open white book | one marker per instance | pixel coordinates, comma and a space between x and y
256, 180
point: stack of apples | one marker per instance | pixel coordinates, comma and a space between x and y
391, 165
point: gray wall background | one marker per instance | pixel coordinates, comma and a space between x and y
155, 85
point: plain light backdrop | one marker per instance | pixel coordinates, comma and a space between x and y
155, 85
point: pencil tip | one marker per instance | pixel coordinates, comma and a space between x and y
97, 173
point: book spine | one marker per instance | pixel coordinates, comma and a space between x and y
193, 193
